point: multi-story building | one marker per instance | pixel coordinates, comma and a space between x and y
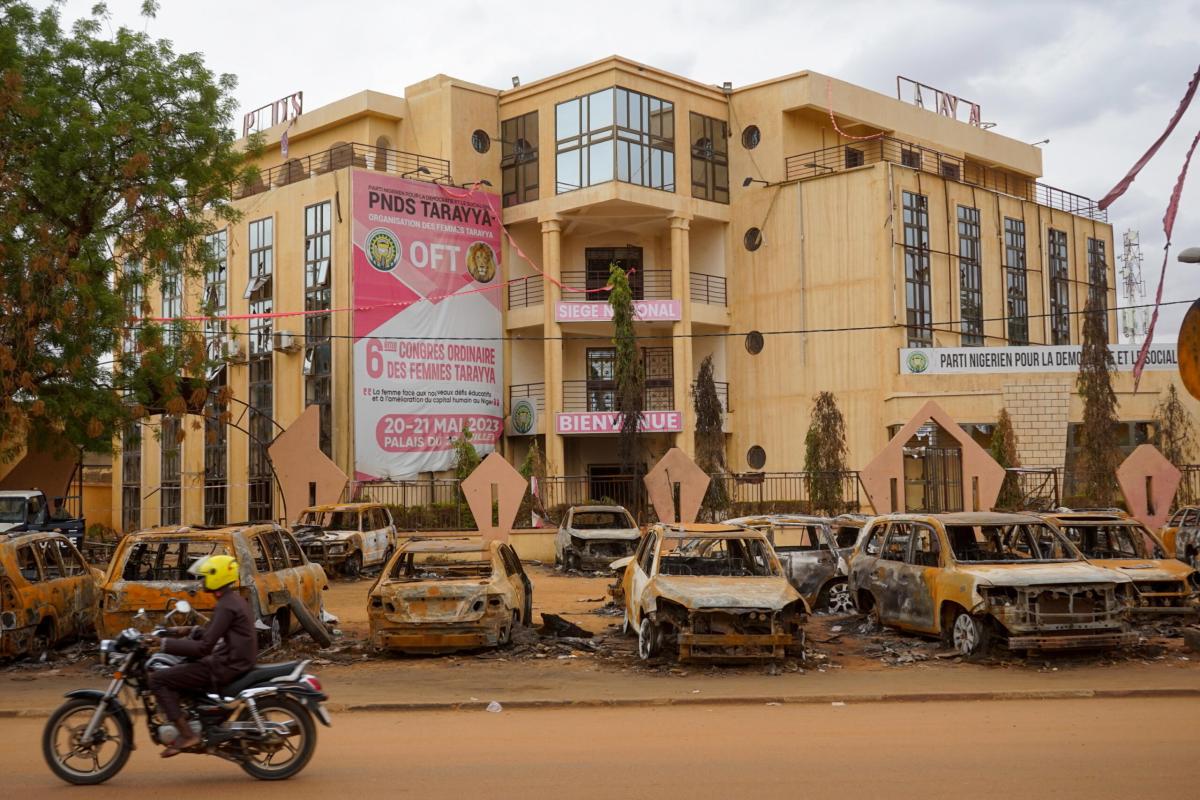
804, 233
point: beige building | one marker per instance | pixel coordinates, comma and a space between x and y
805, 233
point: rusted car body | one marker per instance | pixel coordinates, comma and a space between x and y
715, 592
347, 536
47, 592
149, 571
592, 537
970, 577
809, 556
1165, 587
449, 593
1181, 535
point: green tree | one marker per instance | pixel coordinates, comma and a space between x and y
109, 144
630, 373
466, 457
825, 455
534, 465
1003, 450
710, 440
1098, 459
1174, 430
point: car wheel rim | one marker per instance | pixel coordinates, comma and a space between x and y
645, 640
840, 601
966, 635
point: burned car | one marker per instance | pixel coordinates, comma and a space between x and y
714, 592
1181, 535
592, 537
809, 556
975, 577
449, 593
847, 531
347, 536
1165, 587
47, 592
149, 571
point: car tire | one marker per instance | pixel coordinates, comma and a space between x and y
969, 634
571, 562
352, 566
836, 599
649, 639
311, 625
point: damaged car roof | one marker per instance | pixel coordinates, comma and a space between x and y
694, 530
446, 545
976, 518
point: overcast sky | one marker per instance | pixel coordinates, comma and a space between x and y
1098, 78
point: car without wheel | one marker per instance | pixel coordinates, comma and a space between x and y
149, 572
974, 577
1165, 586
1181, 536
714, 592
592, 537
47, 592
347, 536
809, 556
439, 594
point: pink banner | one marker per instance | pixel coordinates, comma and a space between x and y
643, 310
427, 351
610, 422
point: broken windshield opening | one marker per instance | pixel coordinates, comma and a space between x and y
12, 509
151, 560
600, 520
1024, 542
331, 520
442, 566
718, 558
1112, 540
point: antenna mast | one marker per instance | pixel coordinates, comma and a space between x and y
1134, 322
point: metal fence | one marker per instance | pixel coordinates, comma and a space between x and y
1030, 489
346, 154
708, 289
646, 284
525, 292
955, 168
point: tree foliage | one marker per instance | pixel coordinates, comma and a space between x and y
630, 373
534, 465
109, 144
466, 457
1003, 451
1174, 430
710, 440
825, 455
1098, 459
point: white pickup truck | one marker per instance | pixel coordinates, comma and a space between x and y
24, 510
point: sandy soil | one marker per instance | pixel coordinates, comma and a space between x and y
1068, 749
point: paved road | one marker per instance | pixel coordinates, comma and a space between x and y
1065, 749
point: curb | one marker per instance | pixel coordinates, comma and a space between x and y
716, 700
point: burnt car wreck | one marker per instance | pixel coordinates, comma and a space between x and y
592, 537
712, 592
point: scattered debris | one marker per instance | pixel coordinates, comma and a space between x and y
495, 707
556, 626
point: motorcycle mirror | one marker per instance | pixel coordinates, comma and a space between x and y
141, 614
183, 606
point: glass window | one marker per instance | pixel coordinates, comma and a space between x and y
131, 478
318, 358
261, 294
970, 277
710, 157
1015, 282
172, 301
1060, 289
134, 299
170, 457
918, 300
1098, 278
601, 379
519, 159
216, 303
614, 134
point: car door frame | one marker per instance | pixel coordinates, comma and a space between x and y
922, 606
639, 578
514, 568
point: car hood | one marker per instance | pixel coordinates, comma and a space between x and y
605, 534
710, 592
1041, 574
318, 534
1146, 569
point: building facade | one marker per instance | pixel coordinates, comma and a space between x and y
804, 233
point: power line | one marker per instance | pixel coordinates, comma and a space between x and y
939, 327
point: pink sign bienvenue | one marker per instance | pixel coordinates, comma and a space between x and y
427, 353
610, 422
643, 310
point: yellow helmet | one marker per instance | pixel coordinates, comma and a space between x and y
218, 571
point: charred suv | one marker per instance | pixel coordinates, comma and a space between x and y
263, 721
592, 537
975, 577
713, 592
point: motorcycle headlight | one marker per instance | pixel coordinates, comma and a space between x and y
106, 650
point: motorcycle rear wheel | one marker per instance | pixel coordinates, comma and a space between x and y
297, 748
63, 732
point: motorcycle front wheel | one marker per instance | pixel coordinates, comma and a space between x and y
79, 762
284, 754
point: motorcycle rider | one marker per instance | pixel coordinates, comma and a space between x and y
223, 650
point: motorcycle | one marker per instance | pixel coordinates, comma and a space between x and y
262, 722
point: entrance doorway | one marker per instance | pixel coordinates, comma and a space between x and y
607, 482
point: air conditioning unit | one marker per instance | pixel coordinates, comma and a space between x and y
285, 341
235, 349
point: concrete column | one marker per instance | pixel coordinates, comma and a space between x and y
552, 352
681, 345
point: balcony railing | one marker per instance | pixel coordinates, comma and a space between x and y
531, 391
955, 168
647, 284
602, 396
708, 289
363, 156
525, 292
722, 393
